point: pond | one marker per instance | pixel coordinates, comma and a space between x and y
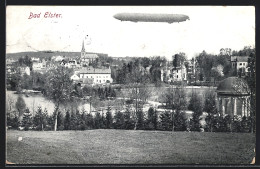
38, 100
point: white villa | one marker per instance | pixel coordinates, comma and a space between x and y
239, 62
172, 74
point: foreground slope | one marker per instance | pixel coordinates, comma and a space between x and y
128, 147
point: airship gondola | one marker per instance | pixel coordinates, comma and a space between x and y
146, 17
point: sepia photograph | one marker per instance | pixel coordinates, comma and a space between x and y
130, 85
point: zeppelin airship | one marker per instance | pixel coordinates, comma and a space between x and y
146, 17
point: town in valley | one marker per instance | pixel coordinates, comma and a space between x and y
130, 85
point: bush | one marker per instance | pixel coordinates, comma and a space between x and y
61, 127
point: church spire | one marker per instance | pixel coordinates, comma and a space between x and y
83, 47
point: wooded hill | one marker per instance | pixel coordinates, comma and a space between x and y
47, 54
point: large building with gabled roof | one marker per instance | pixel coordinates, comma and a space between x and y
99, 76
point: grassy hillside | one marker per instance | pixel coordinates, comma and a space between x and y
129, 147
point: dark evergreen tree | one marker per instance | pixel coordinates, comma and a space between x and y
83, 125
73, 122
20, 105
128, 122
67, 121
197, 108
140, 119
180, 104
60, 121
50, 121
180, 121
103, 121
113, 93
27, 119
109, 119
78, 120
90, 121
106, 93
151, 122
119, 120
166, 122
97, 120
211, 108
40, 119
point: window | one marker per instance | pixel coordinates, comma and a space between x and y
244, 64
177, 76
240, 64
177, 72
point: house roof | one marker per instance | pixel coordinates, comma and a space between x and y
233, 86
75, 76
239, 58
94, 71
90, 56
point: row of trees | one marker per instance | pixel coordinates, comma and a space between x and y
102, 93
175, 119
153, 121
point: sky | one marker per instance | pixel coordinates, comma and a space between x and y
210, 28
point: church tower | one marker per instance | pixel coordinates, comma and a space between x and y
83, 50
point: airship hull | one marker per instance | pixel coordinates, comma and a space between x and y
145, 17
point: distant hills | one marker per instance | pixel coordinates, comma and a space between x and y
46, 54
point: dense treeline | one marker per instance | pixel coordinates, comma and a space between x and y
208, 63
174, 119
141, 70
148, 70
123, 120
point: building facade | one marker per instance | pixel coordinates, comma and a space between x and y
240, 63
99, 76
174, 74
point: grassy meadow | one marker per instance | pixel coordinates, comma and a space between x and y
107, 146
